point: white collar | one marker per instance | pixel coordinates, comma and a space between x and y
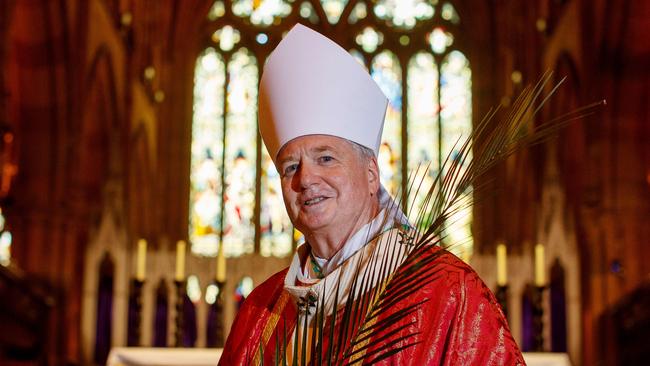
389, 216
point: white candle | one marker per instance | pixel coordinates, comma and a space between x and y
221, 265
141, 263
502, 267
180, 260
539, 265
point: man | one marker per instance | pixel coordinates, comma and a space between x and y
360, 289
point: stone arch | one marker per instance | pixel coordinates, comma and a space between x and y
99, 140
97, 182
559, 188
140, 175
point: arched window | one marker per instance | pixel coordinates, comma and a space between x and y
5, 242
411, 49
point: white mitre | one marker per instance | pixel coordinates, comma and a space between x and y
310, 85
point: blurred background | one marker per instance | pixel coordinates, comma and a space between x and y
139, 206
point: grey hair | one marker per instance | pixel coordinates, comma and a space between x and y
365, 153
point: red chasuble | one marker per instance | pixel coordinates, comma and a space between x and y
457, 323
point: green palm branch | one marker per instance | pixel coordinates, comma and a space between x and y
356, 333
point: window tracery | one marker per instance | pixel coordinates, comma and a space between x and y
410, 49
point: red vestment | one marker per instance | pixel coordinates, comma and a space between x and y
460, 323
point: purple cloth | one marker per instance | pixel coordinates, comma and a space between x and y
104, 311
161, 315
189, 323
527, 326
558, 308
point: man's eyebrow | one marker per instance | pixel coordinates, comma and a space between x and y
285, 159
322, 148
316, 149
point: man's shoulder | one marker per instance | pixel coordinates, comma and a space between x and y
431, 253
251, 319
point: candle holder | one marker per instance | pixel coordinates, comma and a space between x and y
538, 317
215, 336
180, 299
502, 298
135, 313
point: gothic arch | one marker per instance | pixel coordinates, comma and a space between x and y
571, 143
140, 177
96, 183
560, 188
100, 138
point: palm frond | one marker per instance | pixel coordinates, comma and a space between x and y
368, 326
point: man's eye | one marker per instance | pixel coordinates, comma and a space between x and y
290, 169
325, 159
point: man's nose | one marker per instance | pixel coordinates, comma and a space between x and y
305, 177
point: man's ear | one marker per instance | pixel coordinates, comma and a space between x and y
373, 175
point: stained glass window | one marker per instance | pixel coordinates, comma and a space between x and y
275, 226
307, 12
386, 72
236, 198
333, 9
423, 131
240, 154
207, 153
440, 40
227, 37
5, 242
456, 123
243, 289
360, 11
261, 12
217, 10
369, 39
404, 13
449, 13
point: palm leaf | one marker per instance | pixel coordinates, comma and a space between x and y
369, 327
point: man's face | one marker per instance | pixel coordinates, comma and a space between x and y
326, 183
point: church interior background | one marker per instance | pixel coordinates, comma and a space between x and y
139, 206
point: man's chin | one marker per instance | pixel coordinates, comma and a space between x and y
312, 226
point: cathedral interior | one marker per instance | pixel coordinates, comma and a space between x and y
139, 206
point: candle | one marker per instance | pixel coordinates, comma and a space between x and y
539, 265
502, 268
180, 260
221, 265
141, 263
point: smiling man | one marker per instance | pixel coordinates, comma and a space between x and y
330, 188
321, 117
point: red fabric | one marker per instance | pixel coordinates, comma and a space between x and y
460, 323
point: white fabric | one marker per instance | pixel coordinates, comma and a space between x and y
363, 249
366, 260
312, 86
546, 359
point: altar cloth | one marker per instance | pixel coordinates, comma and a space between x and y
143, 356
